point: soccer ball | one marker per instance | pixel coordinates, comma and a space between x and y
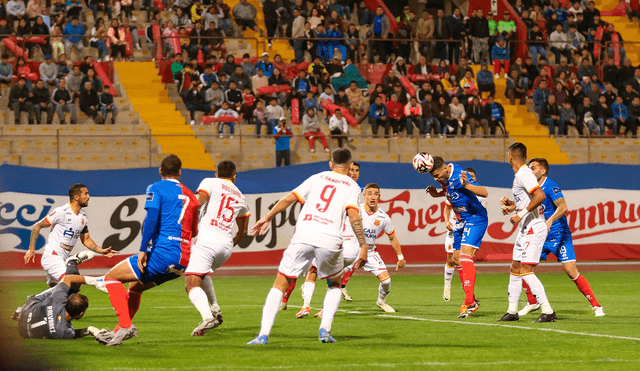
423, 162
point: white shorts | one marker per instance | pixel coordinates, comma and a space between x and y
375, 264
529, 242
350, 250
296, 258
54, 263
206, 259
448, 242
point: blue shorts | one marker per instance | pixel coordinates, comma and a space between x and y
159, 269
471, 233
559, 244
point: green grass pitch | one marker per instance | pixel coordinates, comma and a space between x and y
423, 334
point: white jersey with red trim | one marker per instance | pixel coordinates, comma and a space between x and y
524, 184
325, 197
373, 224
66, 227
226, 203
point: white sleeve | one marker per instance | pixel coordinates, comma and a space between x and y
352, 201
55, 216
244, 210
528, 181
205, 186
388, 227
302, 191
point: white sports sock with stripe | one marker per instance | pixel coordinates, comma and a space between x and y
537, 289
207, 286
330, 306
270, 310
448, 276
383, 289
199, 300
307, 292
515, 289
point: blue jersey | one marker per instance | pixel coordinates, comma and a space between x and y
464, 202
171, 222
553, 192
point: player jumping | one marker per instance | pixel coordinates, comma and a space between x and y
532, 232
221, 203
463, 192
559, 241
325, 198
171, 222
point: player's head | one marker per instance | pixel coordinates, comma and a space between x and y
517, 153
371, 195
472, 173
76, 305
227, 170
171, 167
80, 194
439, 171
341, 158
539, 167
354, 171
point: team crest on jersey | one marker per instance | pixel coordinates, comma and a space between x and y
377, 222
556, 190
150, 196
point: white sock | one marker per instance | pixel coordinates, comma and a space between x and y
538, 291
207, 286
307, 292
448, 276
383, 289
270, 310
515, 289
331, 303
199, 300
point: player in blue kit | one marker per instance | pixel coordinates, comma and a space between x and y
463, 192
559, 241
171, 222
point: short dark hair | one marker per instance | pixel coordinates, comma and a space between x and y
542, 161
438, 163
226, 169
355, 164
170, 166
341, 156
75, 190
371, 185
76, 304
518, 149
470, 170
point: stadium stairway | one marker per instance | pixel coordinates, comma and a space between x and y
523, 127
630, 31
150, 99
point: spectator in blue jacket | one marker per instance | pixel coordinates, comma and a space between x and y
6, 71
485, 80
378, 116
620, 113
266, 66
500, 55
540, 98
208, 77
74, 33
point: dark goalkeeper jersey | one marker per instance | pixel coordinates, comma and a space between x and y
43, 315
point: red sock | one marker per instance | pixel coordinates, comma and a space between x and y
527, 290
346, 276
287, 293
119, 301
469, 282
461, 275
134, 303
585, 289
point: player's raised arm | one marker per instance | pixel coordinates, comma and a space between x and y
356, 224
476, 189
91, 245
433, 191
261, 225
35, 232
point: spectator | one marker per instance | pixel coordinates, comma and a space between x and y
41, 100
442, 31
63, 102
226, 113
586, 69
493, 28
485, 80
536, 44
302, 83
379, 30
468, 84
424, 32
586, 116
74, 33
181, 19
6, 71
90, 103
107, 105
214, 96
443, 112
99, 6
559, 44
274, 112
271, 17
540, 98
260, 118
16, 11
458, 117
98, 36
475, 117
568, 118
620, 115
448, 84
74, 8
245, 15
507, 26
48, 72
312, 131
233, 96
57, 9
341, 99
627, 95
195, 101
353, 42
74, 81
356, 101
576, 42
551, 116
634, 116
430, 116
612, 38
604, 117
378, 116
389, 81
19, 100
480, 37
95, 81
543, 77
493, 112
222, 10
338, 127
216, 39
198, 41
413, 113
260, 80
208, 77
282, 135
516, 88
456, 27
297, 33
462, 69
117, 40
41, 29
396, 113
590, 13
196, 11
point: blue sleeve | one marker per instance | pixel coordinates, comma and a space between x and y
552, 190
153, 198
372, 111
149, 227
494, 52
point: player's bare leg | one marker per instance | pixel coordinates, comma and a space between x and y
308, 288
287, 294
271, 308
330, 307
200, 300
581, 282
348, 272
383, 290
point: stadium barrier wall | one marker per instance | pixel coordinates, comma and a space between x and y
603, 201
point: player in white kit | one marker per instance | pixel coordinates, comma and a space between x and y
325, 198
350, 250
221, 204
374, 222
68, 223
532, 232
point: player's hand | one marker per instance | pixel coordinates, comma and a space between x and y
463, 178
401, 264
449, 226
549, 222
260, 227
142, 261
431, 191
362, 259
108, 252
506, 210
30, 255
515, 219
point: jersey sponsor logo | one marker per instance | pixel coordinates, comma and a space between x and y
530, 231
370, 233
52, 325
69, 232
150, 196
